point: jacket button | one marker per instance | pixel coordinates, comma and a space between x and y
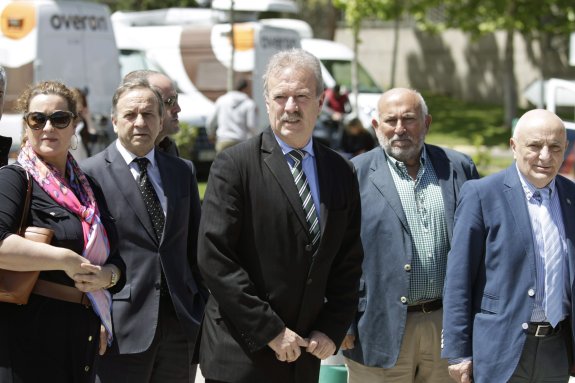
308, 247
407, 267
525, 326
403, 300
157, 285
531, 292
309, 281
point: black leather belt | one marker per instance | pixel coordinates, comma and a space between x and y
543, 329
426, 307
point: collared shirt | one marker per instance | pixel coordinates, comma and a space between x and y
309, 169
153, 172
423, 206
533, 206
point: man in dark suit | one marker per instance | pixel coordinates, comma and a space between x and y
509, 288
284, 275
5, 142
408, 196
154, 200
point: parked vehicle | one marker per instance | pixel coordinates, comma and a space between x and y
70, 41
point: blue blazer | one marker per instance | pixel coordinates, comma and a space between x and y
386, 238
491, 270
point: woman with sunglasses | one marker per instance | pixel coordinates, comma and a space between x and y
56, 335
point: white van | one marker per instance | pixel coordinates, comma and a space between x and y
69, 41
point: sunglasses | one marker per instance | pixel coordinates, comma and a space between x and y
171, 101
59, 119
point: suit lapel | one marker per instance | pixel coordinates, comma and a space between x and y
444, 172
515, 196
170, 184
128, 187
274, 159
568, 214
381, 177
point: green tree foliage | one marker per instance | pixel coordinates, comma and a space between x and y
358, 10
532, 19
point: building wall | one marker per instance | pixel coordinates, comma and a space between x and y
454, 64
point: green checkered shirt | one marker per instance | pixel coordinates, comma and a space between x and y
423, 206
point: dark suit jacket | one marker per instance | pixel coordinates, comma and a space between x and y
135, 308
387, 243
5, 144
491, 270
256, 258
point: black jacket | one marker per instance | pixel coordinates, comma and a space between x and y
5, 144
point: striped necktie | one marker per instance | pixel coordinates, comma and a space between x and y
552, 251
305, 196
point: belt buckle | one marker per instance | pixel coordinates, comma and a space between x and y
423, 308
540, 327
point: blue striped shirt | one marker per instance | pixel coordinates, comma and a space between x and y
533, 206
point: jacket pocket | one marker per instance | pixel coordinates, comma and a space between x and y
124, 294
490, 304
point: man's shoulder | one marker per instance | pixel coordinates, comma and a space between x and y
175, 162
95, 161
452, 154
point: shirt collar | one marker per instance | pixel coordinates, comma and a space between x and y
308, 148
529, 189
129, 156
400, 167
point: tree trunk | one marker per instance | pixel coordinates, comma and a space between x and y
354, 71
509, 81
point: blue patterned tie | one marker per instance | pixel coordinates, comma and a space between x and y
151, 200
305, 195
553, 261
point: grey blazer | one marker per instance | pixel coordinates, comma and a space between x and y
135, 307
386, 238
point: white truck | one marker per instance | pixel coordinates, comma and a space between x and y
194, 51
69, 41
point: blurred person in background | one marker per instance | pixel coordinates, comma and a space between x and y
235, 117
86, 134
356, 139
55, 337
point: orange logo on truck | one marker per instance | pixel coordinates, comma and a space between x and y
18, 19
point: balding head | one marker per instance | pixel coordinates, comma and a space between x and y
538, 143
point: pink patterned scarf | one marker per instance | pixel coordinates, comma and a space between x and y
76, 195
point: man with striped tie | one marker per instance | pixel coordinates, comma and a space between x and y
279, 243
508, 309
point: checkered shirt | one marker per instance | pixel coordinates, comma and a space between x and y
422, 203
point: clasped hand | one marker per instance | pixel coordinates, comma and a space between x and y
287, 345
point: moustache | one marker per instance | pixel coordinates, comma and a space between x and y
291, 117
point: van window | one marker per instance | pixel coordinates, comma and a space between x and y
341, 72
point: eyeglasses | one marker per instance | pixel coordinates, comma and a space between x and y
171, 101
59, 119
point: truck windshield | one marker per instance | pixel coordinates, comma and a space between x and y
341, 72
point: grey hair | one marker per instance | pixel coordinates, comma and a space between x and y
136, 84
138, 75
294, 58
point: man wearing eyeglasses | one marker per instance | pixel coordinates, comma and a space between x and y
234, 119
171, 122
5, 142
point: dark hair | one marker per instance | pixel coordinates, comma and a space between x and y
137, 84
241, 84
